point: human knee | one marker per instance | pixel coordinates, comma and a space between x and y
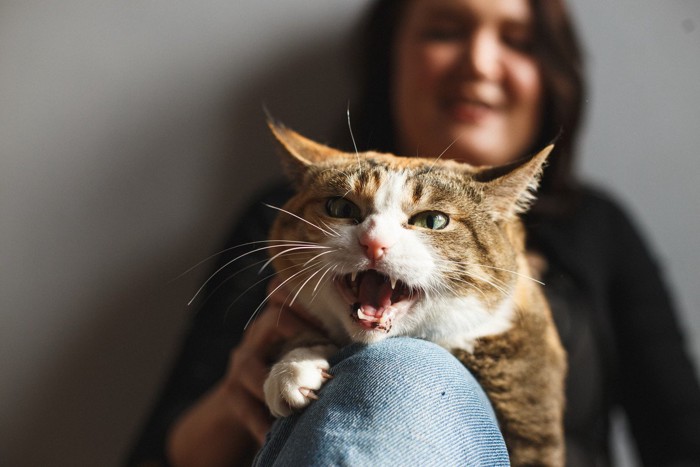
404, 365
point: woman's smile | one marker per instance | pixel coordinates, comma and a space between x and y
464, 79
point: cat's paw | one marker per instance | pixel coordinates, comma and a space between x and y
294, 380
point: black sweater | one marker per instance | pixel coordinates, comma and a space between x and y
611, 307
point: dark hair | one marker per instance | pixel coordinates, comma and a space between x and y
560, 58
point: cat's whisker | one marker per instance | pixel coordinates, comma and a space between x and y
498, 284
267, 298
337, 235
448, 286
473, 286
319, 255
303, 285
228, 263
286, 302
354, 143
300, 218
269, 276
524, 276
314, 274
492, 281
287, 251
443, 152
257, 283
329, 269
224, 281
225, 250
264, 279
504, 291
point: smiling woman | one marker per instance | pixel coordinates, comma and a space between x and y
464, 73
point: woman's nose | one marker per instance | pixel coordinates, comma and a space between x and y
481, 55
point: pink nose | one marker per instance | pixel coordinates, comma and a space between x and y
375, 248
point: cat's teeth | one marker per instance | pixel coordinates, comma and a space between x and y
393, 283
363, 316
353, 276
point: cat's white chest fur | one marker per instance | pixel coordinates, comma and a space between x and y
458, 322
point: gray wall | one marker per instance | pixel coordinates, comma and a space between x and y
131, 134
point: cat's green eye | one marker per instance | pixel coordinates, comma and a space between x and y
342, 208
432, 220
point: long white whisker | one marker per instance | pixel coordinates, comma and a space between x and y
300, 218
496, 286
289, 250
273, 292
191, 268
469, 263
228, 263
324, 275
302, 286
264, 279
492, 281
357, 153
331, 228
314, 294
319, 255
223, 282
524, 276
443, 152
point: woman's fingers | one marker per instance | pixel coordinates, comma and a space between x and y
261, 344
254, 414
253, 377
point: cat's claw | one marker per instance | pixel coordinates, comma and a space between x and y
293, 382
306, 392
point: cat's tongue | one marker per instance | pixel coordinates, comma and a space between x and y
374, 306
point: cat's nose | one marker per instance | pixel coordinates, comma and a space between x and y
375, 248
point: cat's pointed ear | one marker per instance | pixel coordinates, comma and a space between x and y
299, 152
510, 189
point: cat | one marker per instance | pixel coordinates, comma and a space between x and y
381, 245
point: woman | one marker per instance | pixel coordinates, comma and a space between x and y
491, 80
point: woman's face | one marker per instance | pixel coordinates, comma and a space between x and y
464, 76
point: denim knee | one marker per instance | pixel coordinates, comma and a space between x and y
417, 369
401, 401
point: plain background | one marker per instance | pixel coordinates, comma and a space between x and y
132, 133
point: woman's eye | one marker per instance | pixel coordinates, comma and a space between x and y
519, 40
341, 208
442, 30
442, 34
432, 220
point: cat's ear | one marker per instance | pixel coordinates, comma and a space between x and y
298, 152
510, 189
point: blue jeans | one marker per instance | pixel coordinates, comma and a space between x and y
399, 402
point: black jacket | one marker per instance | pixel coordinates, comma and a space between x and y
611, 307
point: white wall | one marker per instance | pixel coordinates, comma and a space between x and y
131, 133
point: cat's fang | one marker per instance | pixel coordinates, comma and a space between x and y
365, 317
393, 283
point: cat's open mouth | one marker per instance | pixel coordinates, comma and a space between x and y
375, 299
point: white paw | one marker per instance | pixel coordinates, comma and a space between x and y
294, 380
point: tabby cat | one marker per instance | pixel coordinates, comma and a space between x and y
378, 245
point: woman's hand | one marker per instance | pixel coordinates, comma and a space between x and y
231, 420
259, 348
